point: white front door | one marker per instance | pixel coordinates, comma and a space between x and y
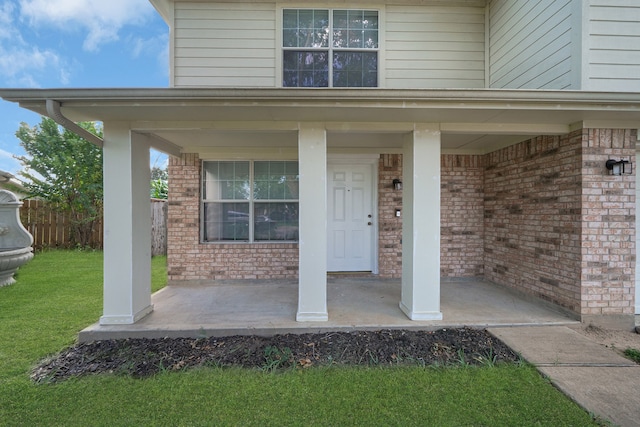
350, 221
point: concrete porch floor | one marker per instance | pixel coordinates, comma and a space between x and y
269, 307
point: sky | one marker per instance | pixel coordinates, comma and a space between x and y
75, 44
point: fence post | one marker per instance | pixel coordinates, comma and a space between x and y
159, 209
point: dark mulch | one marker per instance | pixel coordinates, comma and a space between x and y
145, 357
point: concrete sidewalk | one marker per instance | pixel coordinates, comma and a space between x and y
594, 376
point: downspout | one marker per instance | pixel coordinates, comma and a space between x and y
53, 111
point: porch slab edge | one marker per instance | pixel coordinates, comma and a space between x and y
99, 332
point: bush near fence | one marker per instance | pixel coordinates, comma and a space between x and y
50, 228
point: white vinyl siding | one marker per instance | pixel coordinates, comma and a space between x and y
434, 47
225, 44
530, 44
613, 46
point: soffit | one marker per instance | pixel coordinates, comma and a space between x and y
478, 120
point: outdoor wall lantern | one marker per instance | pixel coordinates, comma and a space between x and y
397, 184
619, 167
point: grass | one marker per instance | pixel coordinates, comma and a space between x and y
60, 292
633, 354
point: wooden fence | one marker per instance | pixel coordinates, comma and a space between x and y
51, 229
159, 211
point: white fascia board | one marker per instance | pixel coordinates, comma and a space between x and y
136, 104
164, 95
164, 8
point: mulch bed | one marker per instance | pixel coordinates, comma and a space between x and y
146, 357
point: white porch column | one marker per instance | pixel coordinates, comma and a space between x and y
127, 226
420, 298
312, 274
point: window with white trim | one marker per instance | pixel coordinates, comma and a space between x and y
250, 201
329, 48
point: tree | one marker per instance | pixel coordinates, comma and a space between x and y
159, 183
159, 189
159, 173
66, 170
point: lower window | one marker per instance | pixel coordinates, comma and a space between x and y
250, 201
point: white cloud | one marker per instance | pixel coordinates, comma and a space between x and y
26, 63
102, 20
7, 30
8, 162
140, 46
156, 47
21, 64
5, 154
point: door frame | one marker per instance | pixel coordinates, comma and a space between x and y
363, 159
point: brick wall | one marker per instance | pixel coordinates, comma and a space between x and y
532, 218
542, 216
191, 260
183, 215
461, 216
558, 226
389, 226
608, 226
188, 259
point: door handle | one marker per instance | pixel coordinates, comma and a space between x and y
369, 223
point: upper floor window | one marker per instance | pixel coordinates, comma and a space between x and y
250, 201
330, 48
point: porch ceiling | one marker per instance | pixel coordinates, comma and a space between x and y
478, 120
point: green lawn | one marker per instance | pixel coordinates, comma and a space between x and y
60, 292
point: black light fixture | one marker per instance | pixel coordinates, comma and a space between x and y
619, 167
397, 184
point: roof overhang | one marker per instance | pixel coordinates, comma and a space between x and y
476, 120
